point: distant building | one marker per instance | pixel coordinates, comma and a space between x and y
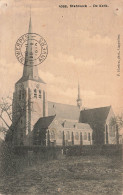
39, 122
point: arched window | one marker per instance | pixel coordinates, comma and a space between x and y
37, 132
112, 130
85, 136
35, 93
19, 94
60, 134
68, 135
39, 93
52, 134
89, 136
22, 94
81, 141
106, 134
77, 136
44, 96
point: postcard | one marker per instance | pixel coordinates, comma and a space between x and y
61, 91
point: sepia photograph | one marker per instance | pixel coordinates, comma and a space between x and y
61, 97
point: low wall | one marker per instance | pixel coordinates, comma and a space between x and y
94, 150
39, 152
58, 151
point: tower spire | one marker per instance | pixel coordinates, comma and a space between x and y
78, 90
79, 100
30, 70
30, 23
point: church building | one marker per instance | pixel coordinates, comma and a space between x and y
37, 121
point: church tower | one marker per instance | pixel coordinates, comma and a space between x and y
79, 100
29, 98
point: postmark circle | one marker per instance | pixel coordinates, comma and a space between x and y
31, 49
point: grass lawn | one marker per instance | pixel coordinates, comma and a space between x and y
85, 175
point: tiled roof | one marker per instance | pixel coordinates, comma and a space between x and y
44, 122
73, 124
63, 111
83, 126
23, 78
94, 115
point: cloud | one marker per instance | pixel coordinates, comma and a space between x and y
78, 61
55, 80
100, 40
10, 72
61, 90
89, 38
64, 62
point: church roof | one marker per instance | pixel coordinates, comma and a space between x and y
94, 115
83, 126
63, 111
44, 122
73, 124
23, 78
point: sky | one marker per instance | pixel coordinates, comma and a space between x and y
82, 46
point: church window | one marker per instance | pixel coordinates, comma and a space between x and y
77, 136
85, 136
39, 93
21, 137
38, 131
44, 96
89, 137
81, 138
60, 134
112, 131
19, 94
68, 135
22, 94
35, 93
52, 135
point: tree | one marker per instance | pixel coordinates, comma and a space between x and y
118, 122
6, 114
